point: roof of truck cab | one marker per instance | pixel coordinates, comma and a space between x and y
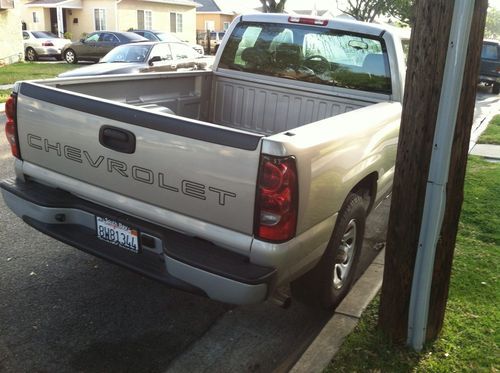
333, 23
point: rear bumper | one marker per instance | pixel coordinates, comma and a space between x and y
48, 51
180, 261
489, 79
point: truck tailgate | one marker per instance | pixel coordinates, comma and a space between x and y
194, 168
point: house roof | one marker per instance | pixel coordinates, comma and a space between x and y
208, 6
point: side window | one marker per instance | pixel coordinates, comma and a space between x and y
26, 35
92, 38
150, 36
108, 38
162, 51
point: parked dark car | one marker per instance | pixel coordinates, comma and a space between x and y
490, 64
144, 57
97, 44
166, 36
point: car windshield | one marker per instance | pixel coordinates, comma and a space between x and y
164, 36
490, 51
128, 53
43, 34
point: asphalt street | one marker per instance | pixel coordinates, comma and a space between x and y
62, 310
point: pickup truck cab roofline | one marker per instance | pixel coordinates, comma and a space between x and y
335, 23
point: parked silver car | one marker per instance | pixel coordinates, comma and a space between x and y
145, 57
42, 44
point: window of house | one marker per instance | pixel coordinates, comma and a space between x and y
100, 19
175, 22
36, 17
226, 25
144, 19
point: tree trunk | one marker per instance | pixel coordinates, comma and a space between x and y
427, 57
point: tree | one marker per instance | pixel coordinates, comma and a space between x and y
402, 10
273, 6
366, 10
492, 30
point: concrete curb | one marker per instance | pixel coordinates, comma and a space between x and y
346, 317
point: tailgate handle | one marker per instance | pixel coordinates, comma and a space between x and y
118, 139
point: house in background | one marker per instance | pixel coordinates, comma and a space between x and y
80, 17
212, 16
11, 37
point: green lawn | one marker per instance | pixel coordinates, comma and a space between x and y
4, 94
492, 133
470, 337
32, 70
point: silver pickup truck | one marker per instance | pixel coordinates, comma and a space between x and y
229, 183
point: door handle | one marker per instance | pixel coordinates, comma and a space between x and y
117, 139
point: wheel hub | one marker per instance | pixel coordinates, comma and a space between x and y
345, 255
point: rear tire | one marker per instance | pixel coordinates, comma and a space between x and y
329, 281
496, 88
70, 56
31, 54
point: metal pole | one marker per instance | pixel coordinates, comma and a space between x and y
60, 23
435, 195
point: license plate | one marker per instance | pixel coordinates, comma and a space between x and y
118, 234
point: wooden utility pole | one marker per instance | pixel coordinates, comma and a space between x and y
426, 61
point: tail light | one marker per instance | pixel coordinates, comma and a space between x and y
308, 21
11, 125
47, 44
277, 199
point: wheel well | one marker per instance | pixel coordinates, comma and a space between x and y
367, 188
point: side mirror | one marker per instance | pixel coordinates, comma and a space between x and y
154, 59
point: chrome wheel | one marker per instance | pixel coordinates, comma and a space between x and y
345, 255
69, 56
30, 54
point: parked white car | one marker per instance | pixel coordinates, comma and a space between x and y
42, 44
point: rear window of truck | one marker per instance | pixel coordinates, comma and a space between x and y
309, 54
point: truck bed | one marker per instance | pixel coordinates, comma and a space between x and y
238, 101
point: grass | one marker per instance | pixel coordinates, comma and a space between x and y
4, 94
492, 133
470, 337
32, 70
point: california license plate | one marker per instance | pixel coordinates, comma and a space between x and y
118, 234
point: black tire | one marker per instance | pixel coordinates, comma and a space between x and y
70, 56
31, 55
328, 282
496, 88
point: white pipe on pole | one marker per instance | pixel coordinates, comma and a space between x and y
435, 195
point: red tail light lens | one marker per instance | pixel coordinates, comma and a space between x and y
11, 126
308, 21
277, 199
47, 44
